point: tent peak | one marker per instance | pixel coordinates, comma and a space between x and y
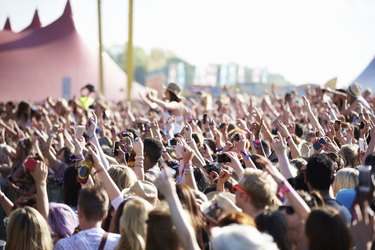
68, 9
7, 25
35, 23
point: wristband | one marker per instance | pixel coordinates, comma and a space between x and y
284, 188
187, 165
91, 135
51, 135
97, 171
219, 149
180, 159
244, 154
2, 197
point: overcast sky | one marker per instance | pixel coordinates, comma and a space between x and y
306, 41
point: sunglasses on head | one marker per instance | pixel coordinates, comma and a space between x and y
288, 209
238, 189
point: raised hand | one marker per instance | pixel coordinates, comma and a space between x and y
92, 124
40, 173
138, 146
278, 145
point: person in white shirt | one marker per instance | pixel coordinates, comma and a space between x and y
92, 210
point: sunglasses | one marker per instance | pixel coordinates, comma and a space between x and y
289, 210
239, 189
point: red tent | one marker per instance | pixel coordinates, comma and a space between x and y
54, 61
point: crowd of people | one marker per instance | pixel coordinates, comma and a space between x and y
234, 171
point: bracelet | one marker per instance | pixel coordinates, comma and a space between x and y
219, 149
187, 165
51, 135
91, 135
246, 155
139, 157
97, 171
2, 197
138, 166
284, 188
188, 170
189, 141
165, 152
180, 159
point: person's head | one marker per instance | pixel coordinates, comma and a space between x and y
370, 160
24, 148
187, 198
153, 150
353, 91
345, 178
241, 237
326, 230
337, 159
23, 110
319, 172
123, 176
275, 224
145, 190
235, 218
27, 229
71, 187
172, 92
133, 225
62, 221
295, 221
255, 191
161, 233
350, 155
92, 205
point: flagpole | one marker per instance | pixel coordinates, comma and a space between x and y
101, 80
130, 70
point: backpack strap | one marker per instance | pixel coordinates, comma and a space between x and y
104, 239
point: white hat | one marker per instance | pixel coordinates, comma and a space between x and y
355, 89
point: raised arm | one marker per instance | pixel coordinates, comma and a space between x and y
185, 231
40, 177
312, 117
109, 185
91, 129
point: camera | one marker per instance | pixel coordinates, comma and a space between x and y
318, 144
223, 158
116, 148
172, 142
30, 163
337, 125
84, 171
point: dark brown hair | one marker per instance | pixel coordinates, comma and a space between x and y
326, 230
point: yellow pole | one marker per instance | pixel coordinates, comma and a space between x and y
101, 80
130, 70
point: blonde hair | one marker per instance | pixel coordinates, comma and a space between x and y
133, 227
350, 155
123, 176
27, 229
345, 178
260, 186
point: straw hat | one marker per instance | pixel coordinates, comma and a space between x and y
221, 202
145, 190
355, 89
175, 89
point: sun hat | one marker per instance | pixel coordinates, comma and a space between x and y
355, 89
